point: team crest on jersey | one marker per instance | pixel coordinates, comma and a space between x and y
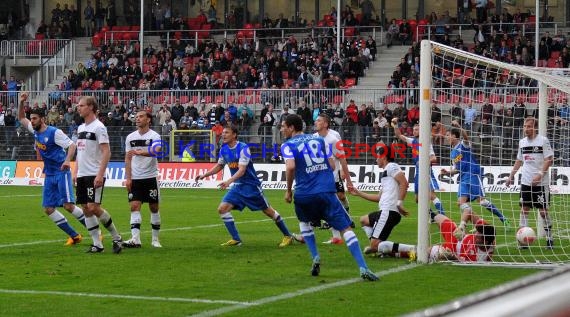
46, 139
88, 135
147, 142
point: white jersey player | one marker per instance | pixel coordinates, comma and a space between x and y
141, 171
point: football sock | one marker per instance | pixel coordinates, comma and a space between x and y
228, 220
107, 221
93, 227
335, 233
136, 220
523, 222
78, 214
438, 205
155, 224
61, 222
354, 248
367, 230
547, 227
309, 236
281, 224
493, 209
399, 250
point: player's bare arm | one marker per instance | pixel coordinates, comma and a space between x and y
105, 157
397, 132
290, 176
209, 173
21, 113
240, 172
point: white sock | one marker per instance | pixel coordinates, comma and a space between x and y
92, 224
107, 222
155, 224
523, 222
78, 214
335, 233
57, 217
367, 230
136, 220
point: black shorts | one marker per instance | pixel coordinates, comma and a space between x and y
339, 184
145, 190
383, 222
535, 196
86, 191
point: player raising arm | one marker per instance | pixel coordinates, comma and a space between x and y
415, 144
51, 143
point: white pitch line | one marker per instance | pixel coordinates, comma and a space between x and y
310, 290
132, 297
10, 196
18, 244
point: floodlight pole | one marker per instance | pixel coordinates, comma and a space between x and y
537, 35
338, 28
141, 36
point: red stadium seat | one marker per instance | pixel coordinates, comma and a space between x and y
338, 99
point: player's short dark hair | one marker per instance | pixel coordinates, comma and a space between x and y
295, 121
232, 127
39, 112
385, 150
326, 118
148, 114
488, 233
455, 132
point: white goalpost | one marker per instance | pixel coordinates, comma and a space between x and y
491, 99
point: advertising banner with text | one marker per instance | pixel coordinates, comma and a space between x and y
364, 177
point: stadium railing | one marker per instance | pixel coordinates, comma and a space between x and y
32, 48
255, 99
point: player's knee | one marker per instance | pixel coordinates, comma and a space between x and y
69, 207
364, 221
49, 211
485, 203
341, 196
135, 206
465, 207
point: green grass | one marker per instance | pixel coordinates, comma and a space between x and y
192, 265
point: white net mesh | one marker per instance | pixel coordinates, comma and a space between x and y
490, 100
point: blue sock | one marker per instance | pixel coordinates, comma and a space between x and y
354, 248
281, 224
228, 220
492, 208
309, 237
439, 206
62, 223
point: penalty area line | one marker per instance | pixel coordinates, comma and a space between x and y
310, 290
130, 297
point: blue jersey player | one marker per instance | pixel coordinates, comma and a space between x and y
315, 191
415, 144
470, 185
51, 142
245, 190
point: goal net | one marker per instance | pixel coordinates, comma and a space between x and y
490, 100
193, 146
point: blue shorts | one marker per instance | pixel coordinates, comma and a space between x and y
326, 206
58, 189
433, 184
471, 187
245, 195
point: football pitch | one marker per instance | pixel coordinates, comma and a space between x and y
192, 275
